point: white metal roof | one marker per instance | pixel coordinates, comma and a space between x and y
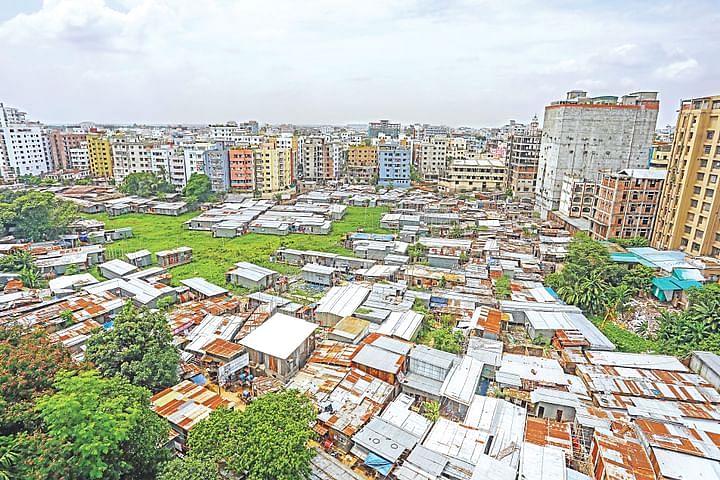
279, 336
462, 381
636, 360
343, 301
203, 286
542, 462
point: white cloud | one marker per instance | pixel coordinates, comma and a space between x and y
681, 70
455, 61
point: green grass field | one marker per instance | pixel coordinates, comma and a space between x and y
212, 257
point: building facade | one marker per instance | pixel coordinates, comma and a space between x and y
60, 145
217, 168
273, 168
689, 212
314, 162
394, 166
384, 127
583, 135
24, 148
577, 196
362, 165
100, 155
523, 158
242, 169
626, 204
485, 175
660, 155
130, 154
431, 157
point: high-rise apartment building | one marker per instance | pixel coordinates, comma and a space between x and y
523, 158
431, 157
383, 127
131, 154
689, 213
273, 168
100, 155
60, 145
242, 169
314, 162
362, 165
217, 168
24, 148
394, 165
626, 204
583, 135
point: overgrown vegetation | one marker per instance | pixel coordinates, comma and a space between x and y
631, 242
198, 189
139, 348
35, 216
438, 332
268, 441
593, 282
502, 288
145, 184
696, 328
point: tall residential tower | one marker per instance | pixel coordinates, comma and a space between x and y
689, 213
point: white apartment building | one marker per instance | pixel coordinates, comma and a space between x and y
194, 159
79, 158
24, 149
338, 156
583, 135
131, 154
430, 157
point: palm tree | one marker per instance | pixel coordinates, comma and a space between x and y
431, 410
31, 277
7, 461
616, 301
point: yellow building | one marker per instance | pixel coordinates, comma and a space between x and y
100, 155
362, 164
475, 174
273, 168
660, 155
689, 212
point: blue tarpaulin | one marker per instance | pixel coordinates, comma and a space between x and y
378, 464
199, 379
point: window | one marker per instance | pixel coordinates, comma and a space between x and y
700, 176
710, 134
703, 163
697, 190
707, 149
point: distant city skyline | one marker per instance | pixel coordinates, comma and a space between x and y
322, 62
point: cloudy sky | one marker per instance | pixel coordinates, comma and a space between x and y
455, 62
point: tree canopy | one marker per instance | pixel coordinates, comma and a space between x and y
37, 216
145, 184
696, 328
590, 280
268, 441
139, 347
28, 364
198, 189
95, 428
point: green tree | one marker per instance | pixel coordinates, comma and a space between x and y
188, 469
139, 347
268, 441
95, 428
502, 288
41, 216
8, 457
456, 232
431, 410
447, 340
198, 189
616, 301
17, 261
28, 364
31, 277
639, 279
145, 184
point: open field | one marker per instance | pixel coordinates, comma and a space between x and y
212, 257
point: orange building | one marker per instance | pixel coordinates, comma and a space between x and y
242, 173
